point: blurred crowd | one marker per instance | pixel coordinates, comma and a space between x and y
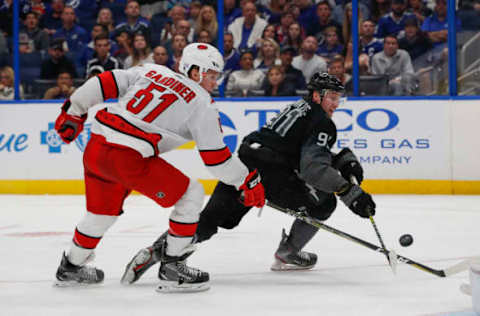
271, 47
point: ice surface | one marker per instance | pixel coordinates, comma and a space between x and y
348, 279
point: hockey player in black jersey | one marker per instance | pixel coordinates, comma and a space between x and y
293, 156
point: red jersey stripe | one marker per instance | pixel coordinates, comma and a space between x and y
85, 241
108, 84
215, 157
182, 229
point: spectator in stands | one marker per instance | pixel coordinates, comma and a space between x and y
275, 84
7, 90
97, 29
176, 14
76, 37
124, 45
268, 32
272, 10
307, 61
293, 76
336, 67
105, 18
324, 20
57, 61
369, 44
394, 22
379, 9
307, 13
231, 56
63, 89
160, 56
331, 46
419, 9
469, 15
338, 12
134, 22
102, 55
194, 12
415, 42
37, 6
294, 36
178, 44
207, 20
205, 37
148, 8
347, 22
397, 65
86, 11
52, 20
141, 52
247, 28
281, 30
230, 12
36, 38
183, 27
436, 25
95, 71
363, 60
245, 79
268, 55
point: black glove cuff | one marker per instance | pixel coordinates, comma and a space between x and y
351, 195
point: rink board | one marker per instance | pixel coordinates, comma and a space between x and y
405, 146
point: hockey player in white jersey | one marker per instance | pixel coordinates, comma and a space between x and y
157, 111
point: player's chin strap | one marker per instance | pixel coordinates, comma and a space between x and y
459, 267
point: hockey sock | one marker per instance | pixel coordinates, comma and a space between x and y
87, 235
300, 234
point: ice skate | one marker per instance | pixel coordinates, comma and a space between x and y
142, 261
287, 258
176, 276
69, 274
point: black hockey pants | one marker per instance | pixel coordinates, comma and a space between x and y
282, 187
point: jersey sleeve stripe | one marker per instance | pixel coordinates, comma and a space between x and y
108, 85
85, 241
182, 229
215, 157
118, 123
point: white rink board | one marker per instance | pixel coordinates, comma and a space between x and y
400, 139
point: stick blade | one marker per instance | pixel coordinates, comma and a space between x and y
392, 260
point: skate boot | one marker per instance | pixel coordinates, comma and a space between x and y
143, 260
288, 258
69, 274
176, 276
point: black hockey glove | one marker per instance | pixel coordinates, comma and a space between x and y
360, 202
347, 163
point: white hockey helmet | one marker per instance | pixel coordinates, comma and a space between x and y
205, 56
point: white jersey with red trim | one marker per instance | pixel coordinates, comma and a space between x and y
156, 103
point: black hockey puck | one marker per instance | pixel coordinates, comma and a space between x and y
406, 240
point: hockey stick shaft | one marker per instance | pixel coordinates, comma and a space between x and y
314, 222
377, 232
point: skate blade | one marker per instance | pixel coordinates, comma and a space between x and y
140, 259
174, 287
281, 266
64, 284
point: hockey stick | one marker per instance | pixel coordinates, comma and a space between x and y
391, 255
459, 267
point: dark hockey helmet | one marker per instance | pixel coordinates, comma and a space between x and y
322, 82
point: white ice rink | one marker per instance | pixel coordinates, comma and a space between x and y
348, 279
